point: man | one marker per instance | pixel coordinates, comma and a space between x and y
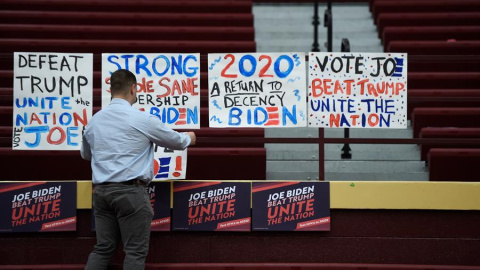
119, 142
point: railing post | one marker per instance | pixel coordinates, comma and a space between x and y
328, 22
316, 23
346, 150
321, 155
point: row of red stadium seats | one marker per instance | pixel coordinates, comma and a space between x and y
425, 6
430, 19
447, 132
191, 33
433, 33
442, 39
203, 164
97, 18
243, 6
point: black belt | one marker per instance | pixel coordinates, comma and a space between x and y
136, 182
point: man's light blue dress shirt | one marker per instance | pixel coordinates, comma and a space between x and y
118, 141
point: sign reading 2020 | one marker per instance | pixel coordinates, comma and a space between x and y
168, 85
357, 90
257, 90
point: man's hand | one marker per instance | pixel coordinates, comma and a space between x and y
193, 138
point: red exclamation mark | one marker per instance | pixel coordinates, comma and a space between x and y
178, 166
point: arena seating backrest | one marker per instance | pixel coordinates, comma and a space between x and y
127, 26
443, 133
443, 45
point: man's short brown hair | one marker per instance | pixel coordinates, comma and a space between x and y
121, 81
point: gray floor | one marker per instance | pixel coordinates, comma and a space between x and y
288, 28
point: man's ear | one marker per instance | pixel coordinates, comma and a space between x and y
133, 89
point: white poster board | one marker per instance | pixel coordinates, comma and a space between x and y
357, 90
169, 164
257, 90
168, 85
52, 100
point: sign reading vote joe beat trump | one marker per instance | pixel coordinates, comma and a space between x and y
168, 85
357, 90
291, 206
257, 90
52, 101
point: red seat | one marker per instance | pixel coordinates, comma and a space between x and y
413, 18
442, 98
397, 6
454, 164
443, 80
190, 33
455, 133
444, 117
442, 33
131, 6
124, 46
119, 18
435, 47
203, 164
443, 63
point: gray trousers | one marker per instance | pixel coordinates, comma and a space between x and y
122, 212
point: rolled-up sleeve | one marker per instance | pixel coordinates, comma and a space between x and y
164, 136
85, 150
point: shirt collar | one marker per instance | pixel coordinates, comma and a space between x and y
119, 101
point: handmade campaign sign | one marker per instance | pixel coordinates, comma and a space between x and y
291, 206
38, 206
357, 90
257, 90
52, 100
160, 194
169, 164
211, 206
168, 85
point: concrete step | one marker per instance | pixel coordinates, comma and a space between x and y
302, 10
293, 43
303, 175
375, 167
338, 176
307, 47
370, 133
338, 133
291, 132
384, 152
333, 176
360, 152
348, 166
307, 34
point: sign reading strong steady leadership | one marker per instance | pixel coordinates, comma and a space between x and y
357, 90
168, 85
52, 100
257, 90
